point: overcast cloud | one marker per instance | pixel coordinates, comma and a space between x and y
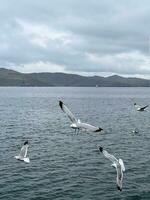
86, 37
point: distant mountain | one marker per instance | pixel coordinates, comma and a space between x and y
14, 78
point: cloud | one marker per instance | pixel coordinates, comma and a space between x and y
122, 63
75, 36
42, 35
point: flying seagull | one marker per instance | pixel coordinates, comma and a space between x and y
76, 123
23, 153
118, 164
139, 108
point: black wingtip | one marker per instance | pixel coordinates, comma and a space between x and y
61, 104
101, 149
134, 103
98, 130
26, 142
120, 189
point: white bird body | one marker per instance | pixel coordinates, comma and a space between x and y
74, 126
118, 164
139, 108
76, 123
23, 153
88, 127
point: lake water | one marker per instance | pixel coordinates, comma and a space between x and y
65, 165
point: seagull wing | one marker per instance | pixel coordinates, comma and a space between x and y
68, 112
89, 127
143, 108
122, 164
110, 157
119, 177
23, 152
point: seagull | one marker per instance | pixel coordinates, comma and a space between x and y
135, 131
76, 123
23, 153
139, 108
118, 164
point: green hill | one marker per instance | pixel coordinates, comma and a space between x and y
14, 78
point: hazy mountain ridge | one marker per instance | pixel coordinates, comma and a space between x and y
14, 78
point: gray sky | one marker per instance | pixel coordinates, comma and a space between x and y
78, 36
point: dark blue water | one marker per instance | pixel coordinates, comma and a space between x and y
65, 165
